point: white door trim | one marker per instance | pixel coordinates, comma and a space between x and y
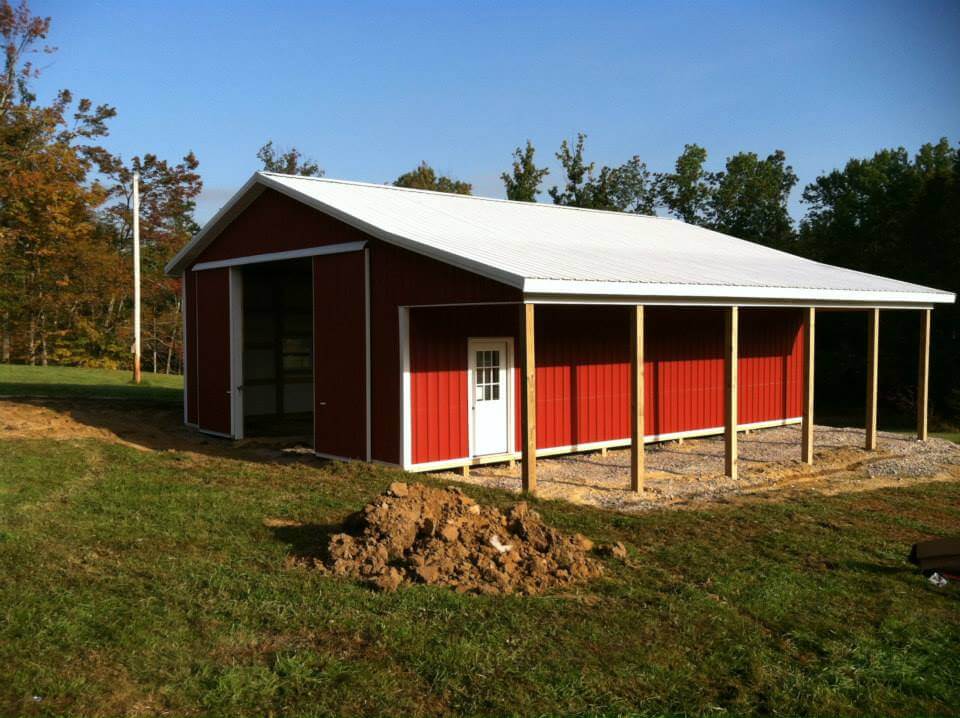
406, 416
236, 353
508, 389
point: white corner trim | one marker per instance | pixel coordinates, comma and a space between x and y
281, 256
406, 437
368, 352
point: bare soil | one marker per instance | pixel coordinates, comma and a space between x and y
417, 534
690, 473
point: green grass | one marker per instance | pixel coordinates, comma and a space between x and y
74, 382
139, 582
953, 436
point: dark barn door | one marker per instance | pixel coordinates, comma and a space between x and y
340, 355
213, 350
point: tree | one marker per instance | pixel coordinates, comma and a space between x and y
627, 188
289, 162
424, 177
631, 187
898, 216
523, 184
48, 234
749, 199
577, 191
168, 195
686, 191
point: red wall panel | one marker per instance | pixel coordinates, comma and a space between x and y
583, 372
213, 350
339, 341
190, 344
276, 223
399, 277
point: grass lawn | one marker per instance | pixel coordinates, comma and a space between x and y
69, 382
147, 582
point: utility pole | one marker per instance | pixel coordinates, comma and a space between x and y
136, 277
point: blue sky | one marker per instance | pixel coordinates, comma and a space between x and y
369, 89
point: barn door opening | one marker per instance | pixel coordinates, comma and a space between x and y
277, 366
491, 398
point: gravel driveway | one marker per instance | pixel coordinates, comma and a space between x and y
691, 472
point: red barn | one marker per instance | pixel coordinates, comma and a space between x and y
430, 330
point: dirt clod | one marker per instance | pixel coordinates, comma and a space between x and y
416, 534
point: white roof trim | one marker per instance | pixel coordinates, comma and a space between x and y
556, 253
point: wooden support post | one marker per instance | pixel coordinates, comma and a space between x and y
809, 338
603, 451
528, 409
636, 400
511, 463
923, 378
873, 347
732, 321
465, 470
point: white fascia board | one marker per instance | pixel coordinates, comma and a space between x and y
549, 290
281, 256
484, 270
236, 204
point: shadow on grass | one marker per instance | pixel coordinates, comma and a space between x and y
308, 542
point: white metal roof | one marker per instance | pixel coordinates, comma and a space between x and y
557, 253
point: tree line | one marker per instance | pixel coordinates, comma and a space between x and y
66, 239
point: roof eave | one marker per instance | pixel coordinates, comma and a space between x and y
599, 292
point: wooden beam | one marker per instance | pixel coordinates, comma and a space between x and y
873, 347
528, 409
923, 379
731, 331
809, 338
636, 400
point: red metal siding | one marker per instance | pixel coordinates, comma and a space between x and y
399, 277
583, 390
276, 223
438, 374
190, 344
339, 340
771, 365
213, 350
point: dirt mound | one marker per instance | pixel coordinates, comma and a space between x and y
417, 534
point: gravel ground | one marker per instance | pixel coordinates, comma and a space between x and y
691, 472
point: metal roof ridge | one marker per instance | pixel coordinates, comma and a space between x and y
477, 197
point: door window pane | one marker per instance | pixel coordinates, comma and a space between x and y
487, 375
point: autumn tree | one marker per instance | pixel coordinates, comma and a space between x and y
288, 162
523, 182
425, 177
168, 195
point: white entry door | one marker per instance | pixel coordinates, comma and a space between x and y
490, 396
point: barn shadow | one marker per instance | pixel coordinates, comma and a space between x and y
147, 425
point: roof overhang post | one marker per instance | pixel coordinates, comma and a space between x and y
923, 378
809, 330
636, 399
731, 358
528, 409
873, 350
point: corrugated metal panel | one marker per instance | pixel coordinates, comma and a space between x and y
275, 222
399, 278
339, 355
567, 250
771, 365
583, 372
213, 350
190, 344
